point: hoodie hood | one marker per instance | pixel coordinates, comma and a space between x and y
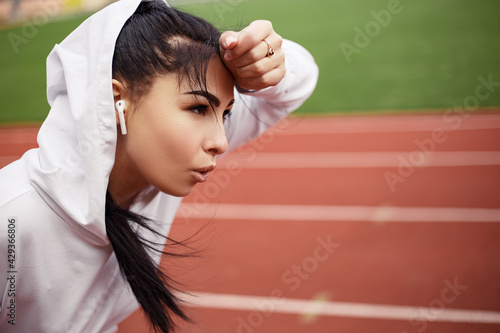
78, 139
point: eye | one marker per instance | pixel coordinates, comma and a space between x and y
199, 109
227, 114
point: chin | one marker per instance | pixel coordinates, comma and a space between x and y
177, 192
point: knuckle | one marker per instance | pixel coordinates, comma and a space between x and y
279, 41
265, 23
254, 38
268, 81
253, 55
258, 68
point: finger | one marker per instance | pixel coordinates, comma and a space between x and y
269, 79
254, 55
249, 38
261, 67
228, 40
259, 52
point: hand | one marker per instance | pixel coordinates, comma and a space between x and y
246, 55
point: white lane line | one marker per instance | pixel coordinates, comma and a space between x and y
337, 309
336, 213
385, 124
415, 158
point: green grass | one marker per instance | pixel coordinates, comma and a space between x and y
429, 56
23, 76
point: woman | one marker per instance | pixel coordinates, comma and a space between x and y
140, 98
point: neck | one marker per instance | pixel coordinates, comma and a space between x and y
124, 184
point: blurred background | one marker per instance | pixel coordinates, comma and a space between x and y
374, 55
390, 171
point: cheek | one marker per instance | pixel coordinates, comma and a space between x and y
163, 147
175, 144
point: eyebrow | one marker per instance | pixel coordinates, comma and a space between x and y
210, 97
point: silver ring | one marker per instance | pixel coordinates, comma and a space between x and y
270, 50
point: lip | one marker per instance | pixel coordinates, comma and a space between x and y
201, 175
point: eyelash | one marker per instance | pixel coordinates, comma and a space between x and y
202, 109
227, 114
199, 109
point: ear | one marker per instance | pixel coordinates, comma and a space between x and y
118, 90
119, 93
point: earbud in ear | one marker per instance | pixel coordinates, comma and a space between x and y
120, 107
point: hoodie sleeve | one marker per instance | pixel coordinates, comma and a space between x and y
256, 111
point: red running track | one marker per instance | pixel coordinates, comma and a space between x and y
401, 236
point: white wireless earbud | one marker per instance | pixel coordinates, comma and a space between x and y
120, 107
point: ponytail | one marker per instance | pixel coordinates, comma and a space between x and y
150, 285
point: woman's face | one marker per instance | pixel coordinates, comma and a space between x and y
174, 135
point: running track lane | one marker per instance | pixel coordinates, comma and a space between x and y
380, 262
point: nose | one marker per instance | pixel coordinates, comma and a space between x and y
216, 143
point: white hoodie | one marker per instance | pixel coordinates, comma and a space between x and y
58, 272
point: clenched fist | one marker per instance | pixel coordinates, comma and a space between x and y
254, 55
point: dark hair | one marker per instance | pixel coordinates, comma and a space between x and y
156, 40
159, 40
150, 285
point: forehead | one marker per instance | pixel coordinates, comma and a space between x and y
218, 82
218, 79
